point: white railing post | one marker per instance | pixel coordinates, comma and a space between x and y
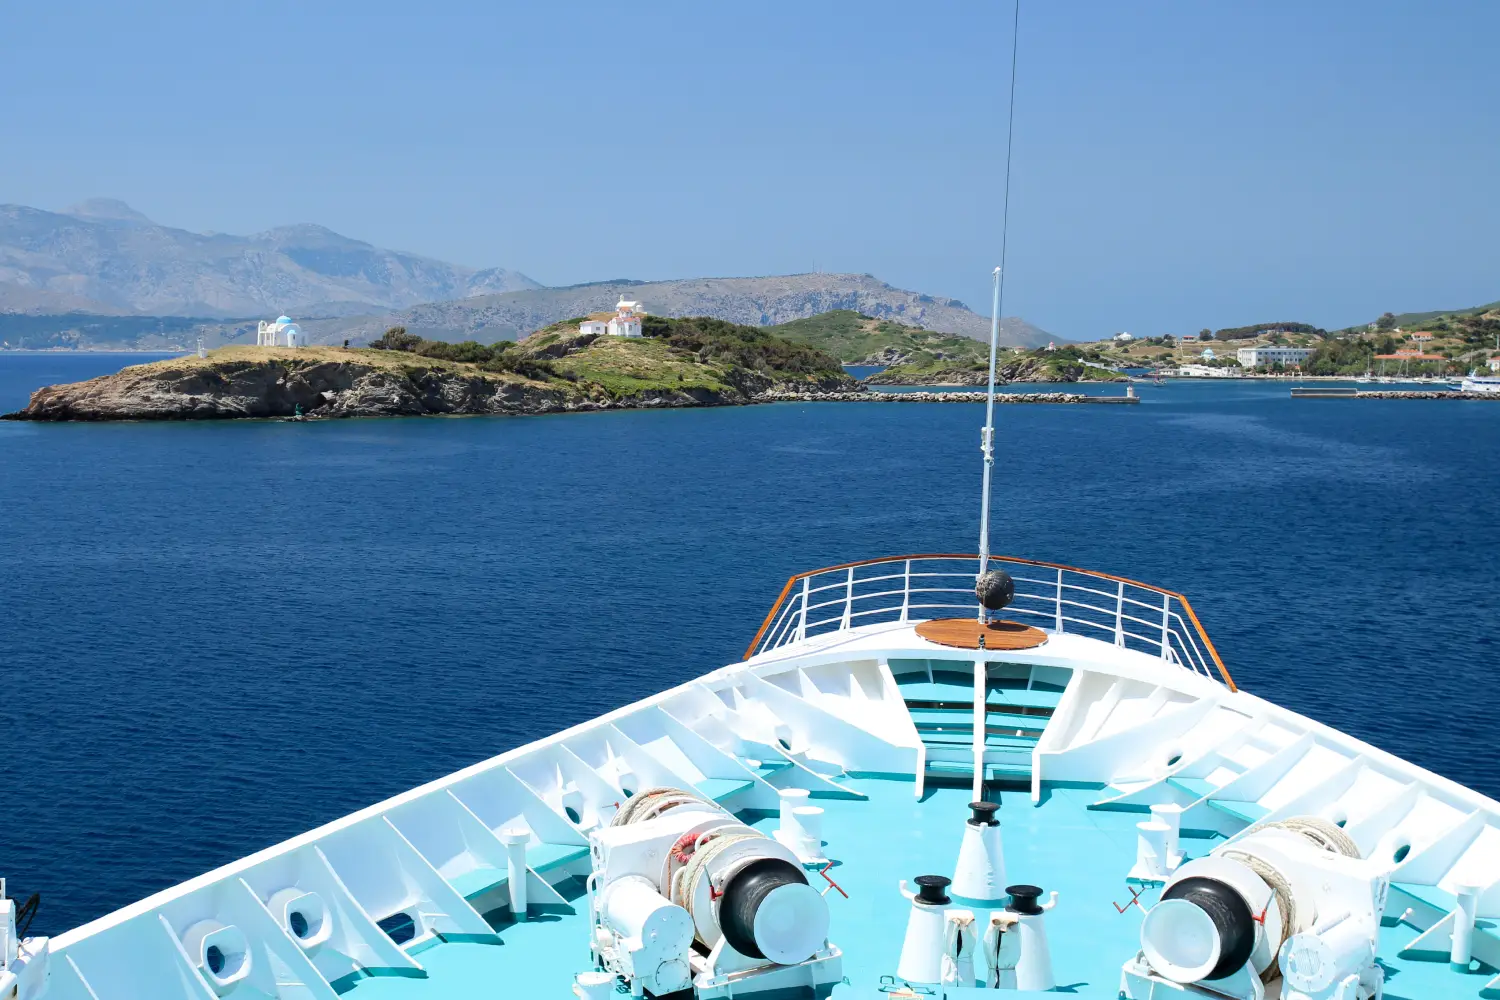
1120, 615
1166, 608
848, 599
906, 592
1059, 601
802, 613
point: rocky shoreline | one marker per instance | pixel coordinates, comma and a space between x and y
329, 389
304, 386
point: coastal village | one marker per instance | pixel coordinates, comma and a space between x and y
1449, 346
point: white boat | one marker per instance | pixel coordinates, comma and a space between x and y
1487, 384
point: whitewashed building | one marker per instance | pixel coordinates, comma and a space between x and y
626, 321
282, 333
1255, 357
1123, 338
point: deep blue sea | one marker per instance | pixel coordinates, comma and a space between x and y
214, 636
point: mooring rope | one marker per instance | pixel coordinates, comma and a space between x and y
1328, 836
685, 881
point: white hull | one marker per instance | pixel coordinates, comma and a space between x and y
1479, 383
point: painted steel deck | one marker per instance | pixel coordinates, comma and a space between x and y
1061, 845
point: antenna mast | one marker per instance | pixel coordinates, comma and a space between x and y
987, 437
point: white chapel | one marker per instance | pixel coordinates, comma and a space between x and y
282, 333
626, 322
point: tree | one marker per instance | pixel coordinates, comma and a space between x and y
1205, 334
396, 339
1387, 321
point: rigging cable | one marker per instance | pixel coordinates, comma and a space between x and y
987, 442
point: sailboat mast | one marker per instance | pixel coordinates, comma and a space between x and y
987, 438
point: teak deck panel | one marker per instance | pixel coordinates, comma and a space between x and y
967, 633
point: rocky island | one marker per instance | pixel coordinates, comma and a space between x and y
678, 362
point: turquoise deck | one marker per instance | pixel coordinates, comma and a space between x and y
1061, 845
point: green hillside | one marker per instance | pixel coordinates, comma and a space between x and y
674, 354
855, 338
1408, 321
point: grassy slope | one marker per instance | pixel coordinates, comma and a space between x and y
394, 361
682, 354
624, 367
852, 337
1410, 321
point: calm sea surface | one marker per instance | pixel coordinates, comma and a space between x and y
215, 636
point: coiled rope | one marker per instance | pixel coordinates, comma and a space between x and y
651, 802
1326, 835
1319, 831
708, 847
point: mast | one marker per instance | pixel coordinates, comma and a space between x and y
987, 438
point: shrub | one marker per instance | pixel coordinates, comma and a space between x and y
744, 346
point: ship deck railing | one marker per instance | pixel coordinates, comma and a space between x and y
1052, 596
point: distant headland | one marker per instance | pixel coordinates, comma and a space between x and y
680, 362
627, 359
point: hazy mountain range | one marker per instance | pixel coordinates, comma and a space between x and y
64, 274
752, 301
102, 256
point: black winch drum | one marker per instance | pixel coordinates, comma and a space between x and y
769, 911
1201, 930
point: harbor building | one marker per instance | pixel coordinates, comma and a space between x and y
281, 333
625, 322
1494, 364
1256, 357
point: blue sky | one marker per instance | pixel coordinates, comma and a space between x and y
1177, 165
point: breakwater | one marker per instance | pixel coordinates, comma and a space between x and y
937, 397
1334, 393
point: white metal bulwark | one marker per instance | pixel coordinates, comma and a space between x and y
1058, 598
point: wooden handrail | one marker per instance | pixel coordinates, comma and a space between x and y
1186, 605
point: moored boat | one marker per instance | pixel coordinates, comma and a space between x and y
1488, 384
